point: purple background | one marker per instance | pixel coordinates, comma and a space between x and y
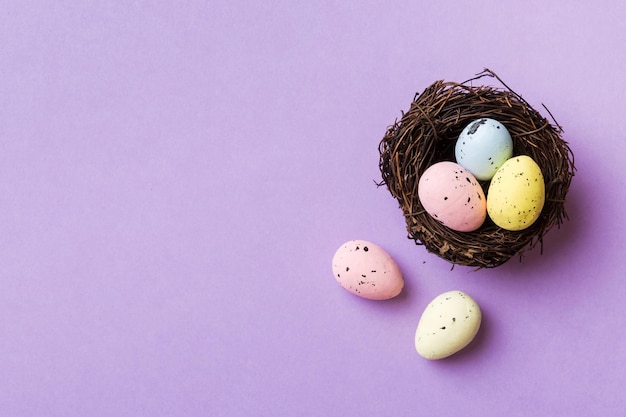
176, 176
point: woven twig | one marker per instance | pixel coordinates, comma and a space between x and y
427, 134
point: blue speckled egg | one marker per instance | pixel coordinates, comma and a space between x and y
482, 147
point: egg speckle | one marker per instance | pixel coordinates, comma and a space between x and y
482, 147
367, 270
452, 195
447, 325
516, 194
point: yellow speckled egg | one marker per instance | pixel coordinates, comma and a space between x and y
516, 194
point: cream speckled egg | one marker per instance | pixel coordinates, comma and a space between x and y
449, 323
516, 194
367, 270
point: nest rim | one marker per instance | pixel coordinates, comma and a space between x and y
426, 134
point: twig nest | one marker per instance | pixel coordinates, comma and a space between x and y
427, 134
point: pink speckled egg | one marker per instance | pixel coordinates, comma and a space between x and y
367, 270
453, 196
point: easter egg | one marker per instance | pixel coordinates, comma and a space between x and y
447, 325
451, 194
516, 194
482, 147
367, 270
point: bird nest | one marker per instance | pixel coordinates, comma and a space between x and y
427, 134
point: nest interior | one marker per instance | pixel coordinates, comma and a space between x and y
427, 134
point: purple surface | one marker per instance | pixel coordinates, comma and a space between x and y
176, 176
